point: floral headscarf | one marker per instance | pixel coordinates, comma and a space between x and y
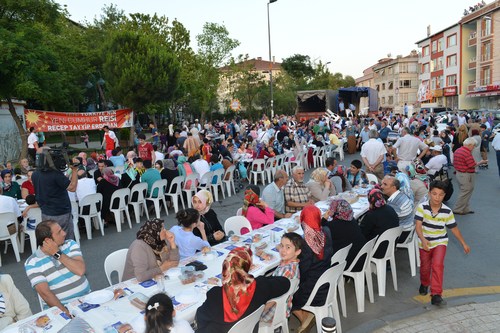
310, 218
180, 165
110, 176
376, 199
238, 286
251, 199
206, 200
149, 232
340, 209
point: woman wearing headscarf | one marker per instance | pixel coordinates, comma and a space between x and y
107, 186
167, 170
153, 252
240, 294
202, 202
315, 259
379, 218
320, 186
255, 209
344, 228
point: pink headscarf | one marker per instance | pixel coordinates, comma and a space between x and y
110, 176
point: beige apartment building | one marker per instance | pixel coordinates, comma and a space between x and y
228, 80
395, 79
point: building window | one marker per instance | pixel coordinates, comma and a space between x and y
440, 82
437, 64
390, 85
391, 100
486, 76
383, 100
452, 40
412, 67
425, 51
451, 80
383, 86
486, 51
404, 83
433, 83
434, 46
425, 68
403, 68
451, 61
440, 45
389, 71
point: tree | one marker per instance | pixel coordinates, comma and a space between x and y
299, 67
31, 65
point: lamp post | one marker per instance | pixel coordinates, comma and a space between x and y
270, 59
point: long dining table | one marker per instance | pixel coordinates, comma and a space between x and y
110, 314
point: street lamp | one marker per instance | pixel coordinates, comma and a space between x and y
270, 60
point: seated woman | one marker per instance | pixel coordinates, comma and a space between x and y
202, 202
107, 186
255, 210
378, 219
9, 186
344, 228
315, 259
160, 317
318, 141
168, 170
240, 294
25, 166
187, 242
153, 252
15, 306
27, 187
320, 186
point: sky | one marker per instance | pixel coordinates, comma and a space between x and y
350, 35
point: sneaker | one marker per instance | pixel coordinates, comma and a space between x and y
423, 290
438, 300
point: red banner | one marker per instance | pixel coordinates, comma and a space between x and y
47, 121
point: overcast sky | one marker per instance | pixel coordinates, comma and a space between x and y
352, 35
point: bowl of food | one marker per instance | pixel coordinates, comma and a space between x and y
257, 238
260, 246
188, 277
235, 238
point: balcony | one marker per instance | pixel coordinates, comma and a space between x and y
472, 39
486, 34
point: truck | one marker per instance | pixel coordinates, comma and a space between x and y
320, 103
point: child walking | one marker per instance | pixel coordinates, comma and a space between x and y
431, 217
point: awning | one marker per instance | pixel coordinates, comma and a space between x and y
484, 94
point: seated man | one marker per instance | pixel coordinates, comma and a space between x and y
273, 195
15, 307
56, 270
437, 161
150, 176
86, 185
399, 201
355, 175
297, 195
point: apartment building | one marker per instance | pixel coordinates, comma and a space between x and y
439, 64
396, 80
480, 58
367, 80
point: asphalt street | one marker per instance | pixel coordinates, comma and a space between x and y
463, 273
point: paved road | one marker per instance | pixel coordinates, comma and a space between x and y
479, 268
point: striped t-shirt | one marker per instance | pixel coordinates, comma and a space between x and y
65, 285
433, 227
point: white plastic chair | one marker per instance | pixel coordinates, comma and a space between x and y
159, 186
234, 224
257, 168
206, 181
340, 150
316, 156
331, 276
280, 319
337, 258
94, 201
230, 181
122, 196
36, 214
115, 262
219, 173
74, 215
239, 212
269, 168
247, 324
138, 195
359, 276
390, 236
177, 194
411, 244
372, 178
5, 220
190, 185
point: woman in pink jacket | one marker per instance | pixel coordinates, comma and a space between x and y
256, 210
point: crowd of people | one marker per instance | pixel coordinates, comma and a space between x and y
409, 178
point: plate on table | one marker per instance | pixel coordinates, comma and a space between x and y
99, 297
174, 272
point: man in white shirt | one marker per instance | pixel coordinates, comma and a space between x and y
274, 197
437, 161
408, 146
462, 120
159, 155
32, 145
373, 152
85, 185
8, 204
200, 165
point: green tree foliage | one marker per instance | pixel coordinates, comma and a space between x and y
299, 67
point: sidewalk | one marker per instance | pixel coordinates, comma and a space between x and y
470, 317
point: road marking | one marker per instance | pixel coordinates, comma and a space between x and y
461, 292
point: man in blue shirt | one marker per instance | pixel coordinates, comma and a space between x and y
150, 176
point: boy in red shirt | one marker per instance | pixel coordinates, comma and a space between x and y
145, 149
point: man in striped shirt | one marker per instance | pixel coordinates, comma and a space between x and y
465, 165
56, 270
431, 220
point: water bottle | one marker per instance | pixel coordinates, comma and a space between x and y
328, 325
